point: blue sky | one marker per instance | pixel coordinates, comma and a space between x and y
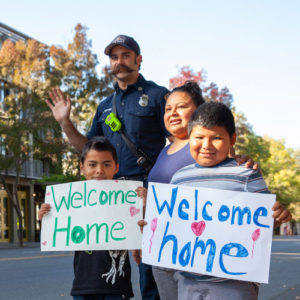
250, 46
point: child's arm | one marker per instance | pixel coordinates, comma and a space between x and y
45, 209
281, 214
142, 192
137, 255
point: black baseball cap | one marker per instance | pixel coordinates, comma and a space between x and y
125, 41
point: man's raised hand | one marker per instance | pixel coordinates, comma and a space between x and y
60, 107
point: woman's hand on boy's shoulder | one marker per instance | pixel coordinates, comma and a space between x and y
248, 161
281, 214
45, 209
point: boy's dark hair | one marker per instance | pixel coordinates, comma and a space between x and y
212, 114
192, 88
98, 143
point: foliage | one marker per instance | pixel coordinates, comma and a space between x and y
283, 172
27, 129
280, 166
211, 91
76, 66
76, 69
26, 126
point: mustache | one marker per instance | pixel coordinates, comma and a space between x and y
118, 68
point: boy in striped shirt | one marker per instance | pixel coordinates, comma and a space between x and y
211, 135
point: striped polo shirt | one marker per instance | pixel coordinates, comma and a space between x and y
227, 175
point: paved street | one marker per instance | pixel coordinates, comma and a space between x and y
28, 274
284, 282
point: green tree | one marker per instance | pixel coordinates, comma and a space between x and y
280, 166
283, 172
249, 143
27, 128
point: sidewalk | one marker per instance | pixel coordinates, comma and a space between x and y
16, 245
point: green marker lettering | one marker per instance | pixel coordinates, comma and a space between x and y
63, 199
98, 227
77, 235
130, 194
78, 198
88, 199
67, 229
116, 194
118, 228
84, 202
102, 202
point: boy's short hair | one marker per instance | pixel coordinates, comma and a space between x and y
98, 143
212, 114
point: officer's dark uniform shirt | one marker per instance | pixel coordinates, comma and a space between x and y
144, 125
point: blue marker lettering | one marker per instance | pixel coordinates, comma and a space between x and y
205, 216
166, 239
260, 211
181, 214
241, 252
165, 203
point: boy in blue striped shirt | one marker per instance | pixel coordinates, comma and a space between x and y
211, 135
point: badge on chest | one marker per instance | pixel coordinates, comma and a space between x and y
144, 100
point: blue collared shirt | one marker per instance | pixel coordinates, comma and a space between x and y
144, 125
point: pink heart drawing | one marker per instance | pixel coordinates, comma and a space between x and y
44, 243
133, 211
48, 194
116, 181
198, 227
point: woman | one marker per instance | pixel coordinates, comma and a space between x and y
181, 102
180, 105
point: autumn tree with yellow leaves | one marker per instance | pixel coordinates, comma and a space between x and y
27, 129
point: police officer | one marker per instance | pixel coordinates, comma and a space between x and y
134, 112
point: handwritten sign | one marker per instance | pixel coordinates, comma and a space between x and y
206, 231
92, 215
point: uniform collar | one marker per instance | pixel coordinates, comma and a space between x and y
138, 85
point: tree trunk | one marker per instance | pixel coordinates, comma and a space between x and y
18, 210
20, 218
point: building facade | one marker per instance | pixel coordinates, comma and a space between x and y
30, 194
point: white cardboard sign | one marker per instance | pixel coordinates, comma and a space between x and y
214, 232
92, 215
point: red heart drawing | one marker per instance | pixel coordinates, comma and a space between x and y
44, 243
116, 181
133, 211
198, 227
48, 194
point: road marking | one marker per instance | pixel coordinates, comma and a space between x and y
285, 253
34, 257
286, 240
